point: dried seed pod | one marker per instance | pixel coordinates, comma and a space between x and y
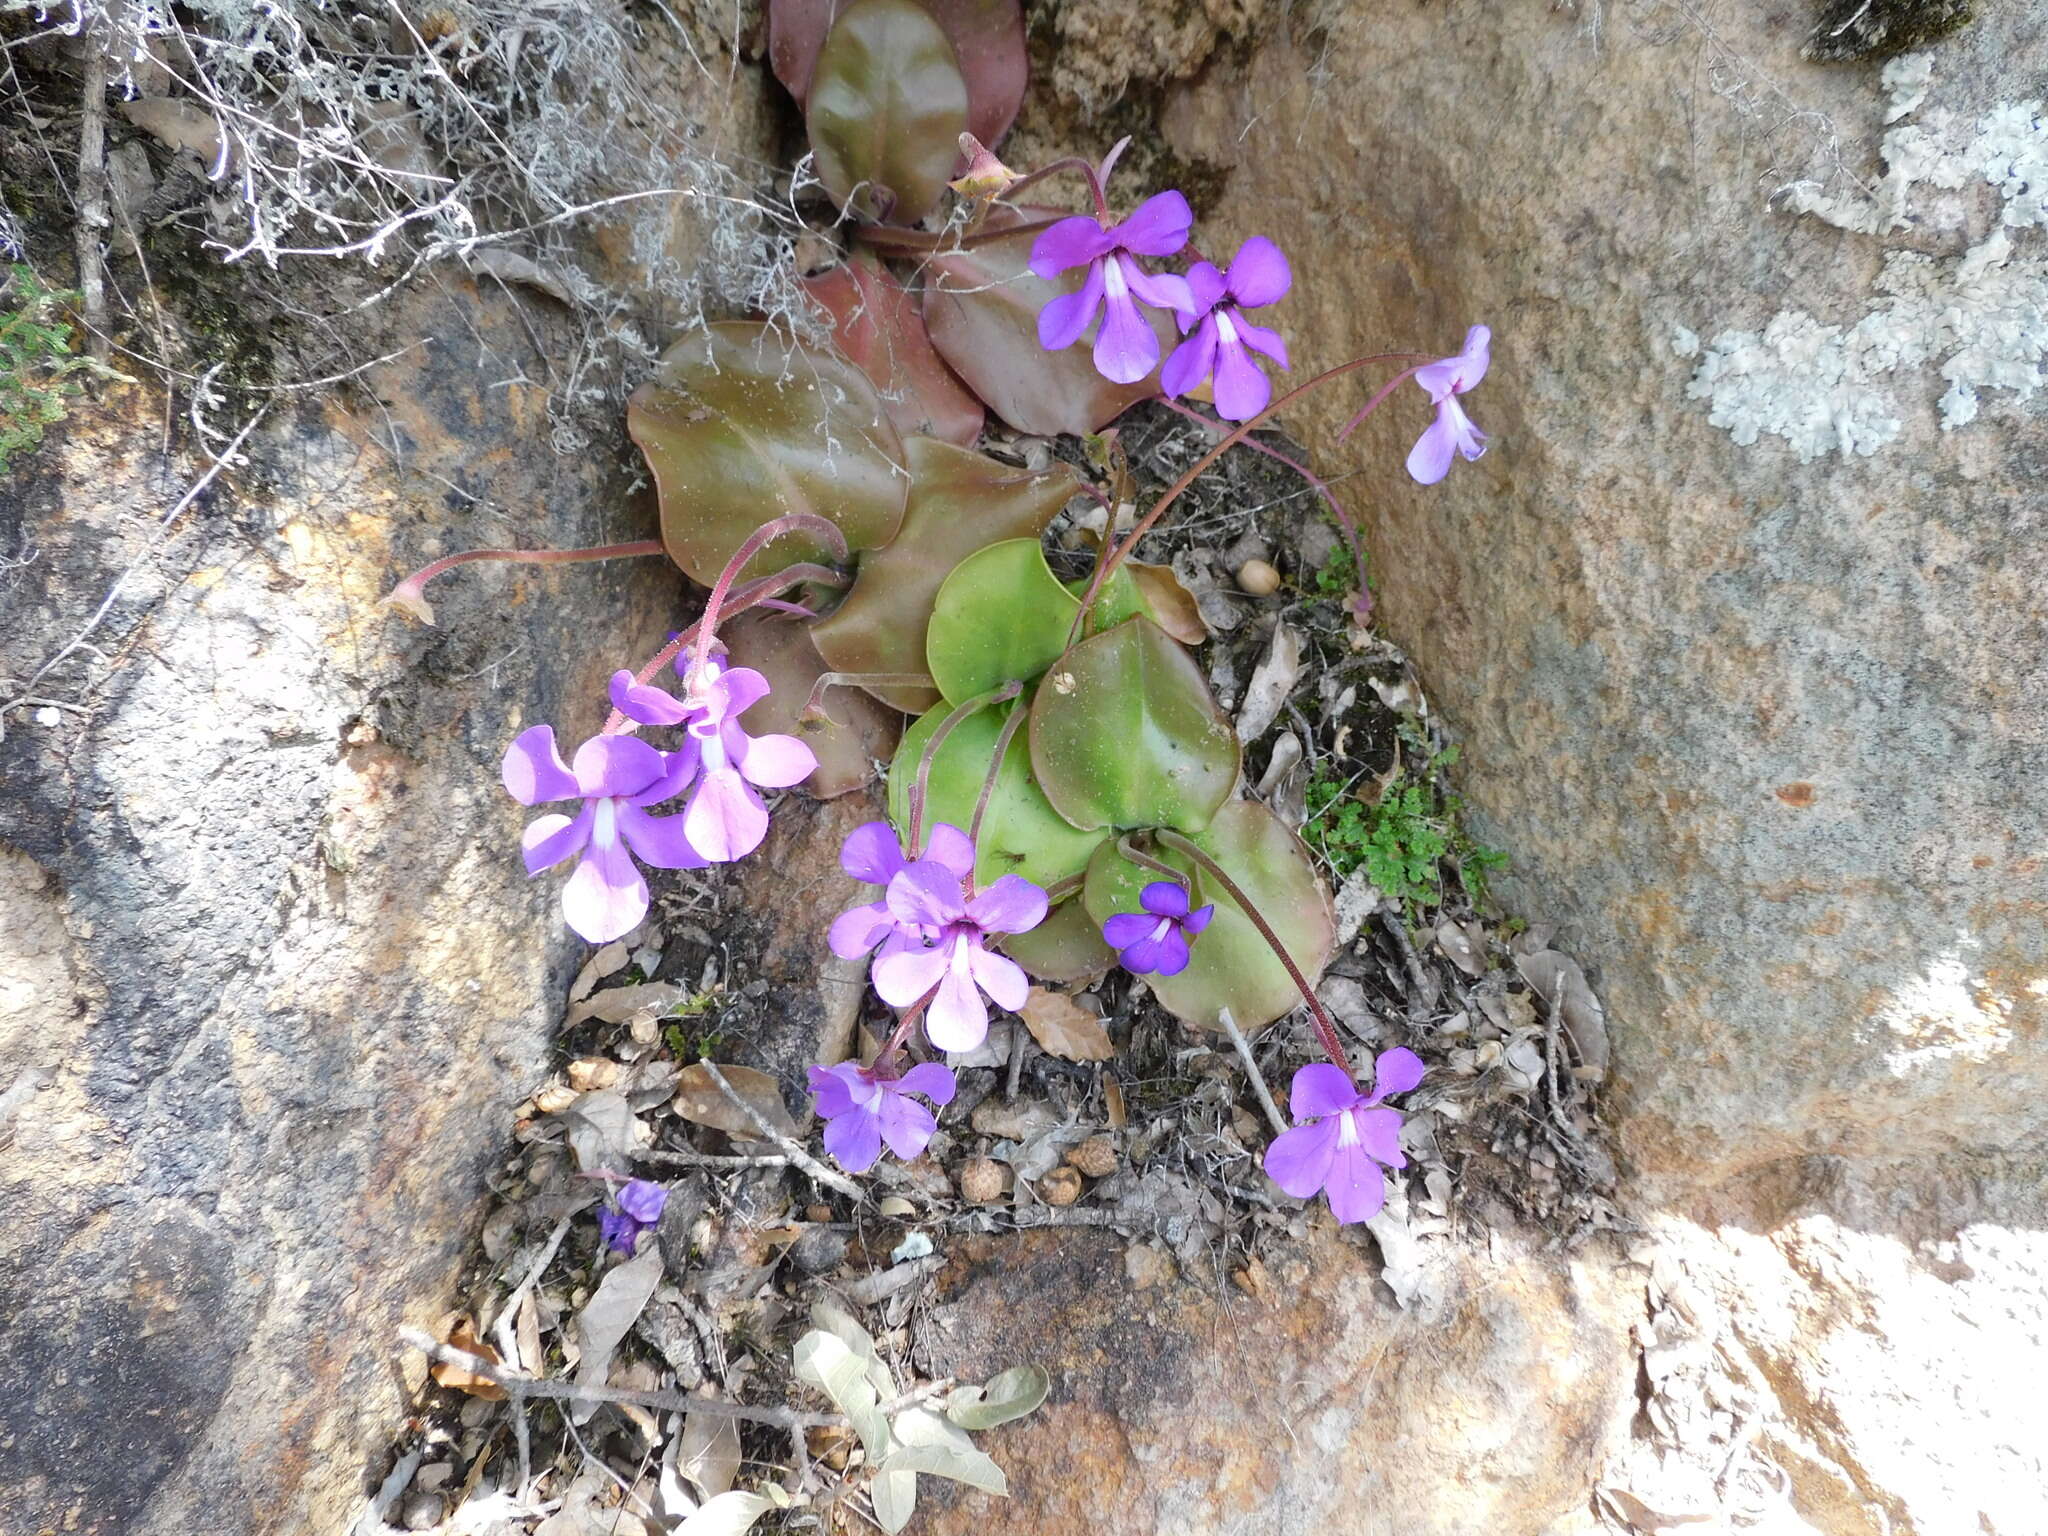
1095, 1157
1060, 1187
1258, 577
981, 1181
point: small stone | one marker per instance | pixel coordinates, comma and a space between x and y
591, 1073
1258, 577
1060, 1187
422, 1512
476, 1410
1095, 1157
818, 1213
554, 1098
819, 1251
1013, 1122
435, 1474
981, 1180
896, 1205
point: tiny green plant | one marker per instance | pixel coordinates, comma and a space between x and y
1402, 841
39, 371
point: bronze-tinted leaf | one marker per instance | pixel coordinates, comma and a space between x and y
878, 325
981, 306
1231, 965
781, 650
1124, 733
739, 427
960, 502
886, 109
987, 38
1067, 946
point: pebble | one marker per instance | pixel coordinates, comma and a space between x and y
1258, 577
422, 1512
819, 1251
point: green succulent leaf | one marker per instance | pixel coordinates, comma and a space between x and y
1001, 616
960, 502
887, 106
1021, 834
1231, 965
1124, 733
740, 426
1067, 946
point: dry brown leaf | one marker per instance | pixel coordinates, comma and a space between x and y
182, 125
1173, 606
698, 1099
615, 1005
605, 962
1064, 1028
464, 1338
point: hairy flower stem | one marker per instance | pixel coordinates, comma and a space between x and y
1201, 466
1326, 1030
752, 594
885, 1058
411, 593
814, 707
995, 768
912, 844
827, 534
1070, 163
1345, 525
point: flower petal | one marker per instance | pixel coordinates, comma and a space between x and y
642, 1200
831, 1088
725, 819
1127, 928
776, 761
645, 703
872, 852
957, 1019
1454, 375
1260, 338
1470, 441
1430, 459
678, 769
933, 1079
859, 929
1299, 1160
1205, 288
926, 892
905, 1124
605, 897
533, 770
1011, 905
1198, 919
1069, 243
661, 842
1161, 290
1154, 954
1356, 1186
1173, 954
1396, 1071
1002, 978
548, 840
1125, 348
1259, 273
1191, 362
949, 846
617, 765
854, 1140
1157, 227
1165, 898
903, 976
1379, 1132
1242, 389
1065, 320
736, 691
1320, 1089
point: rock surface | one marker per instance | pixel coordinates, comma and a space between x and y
1765, 735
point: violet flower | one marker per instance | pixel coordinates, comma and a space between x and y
1452, 431
863, 1108
873, 854
1125, 348
639, 1207
939, 945
725, 819
1340, 1138
1157, 938
1258, 276
615, 777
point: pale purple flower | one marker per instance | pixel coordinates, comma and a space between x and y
863, 1108
1157, 938
873, 854
1452, 432
1340, 1136
725, 818
938, 948
1223, 338
1125, 348
615, 777
639, 1207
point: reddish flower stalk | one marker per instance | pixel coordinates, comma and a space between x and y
411, 593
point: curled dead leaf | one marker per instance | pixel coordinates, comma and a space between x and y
699, 1099
463, 1337
1063, 1028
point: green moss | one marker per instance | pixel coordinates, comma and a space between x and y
1404, 840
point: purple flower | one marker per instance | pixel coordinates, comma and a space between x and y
863, 1109
1258, 276
1340, 1139
1125, 348
1157, 938
1452, 431
615, 777
873, 854
639, 1207
726, 817
938, 945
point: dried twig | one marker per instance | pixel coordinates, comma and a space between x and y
689, 1157
1251, 1067
795, 1153
92, 193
